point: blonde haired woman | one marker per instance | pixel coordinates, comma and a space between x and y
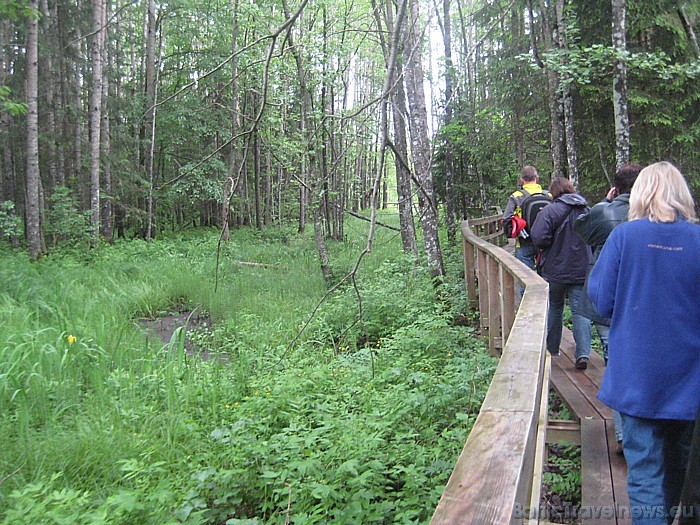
647, 280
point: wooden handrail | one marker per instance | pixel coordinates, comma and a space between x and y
496, 477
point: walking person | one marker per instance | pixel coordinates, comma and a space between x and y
595, 227
529, 182
564, 262
647, 280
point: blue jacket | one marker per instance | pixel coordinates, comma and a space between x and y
565, 256
647, 279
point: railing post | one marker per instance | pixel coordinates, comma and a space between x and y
508, 307
495, 312
469, 272
484, 313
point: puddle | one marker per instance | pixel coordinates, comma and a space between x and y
163, 327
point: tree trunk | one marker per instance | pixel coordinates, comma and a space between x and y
96, 118
399, 113
32, 225
570, 129
449, 110
48, 93
420, 145
622, 121
256, 170
321, 245
556, 118
5, 120
106, 203
151, 110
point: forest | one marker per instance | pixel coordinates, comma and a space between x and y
287, 181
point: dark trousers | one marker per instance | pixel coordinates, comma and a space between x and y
690, 499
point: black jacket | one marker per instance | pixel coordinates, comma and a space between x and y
565, 256
595, 226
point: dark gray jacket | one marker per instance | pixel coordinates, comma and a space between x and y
565, 256
594, 228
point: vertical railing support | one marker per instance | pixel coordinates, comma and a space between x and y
494, 302
469, 272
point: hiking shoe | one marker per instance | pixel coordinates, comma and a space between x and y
581, 363
620, 451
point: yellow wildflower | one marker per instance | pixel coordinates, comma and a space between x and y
71, 339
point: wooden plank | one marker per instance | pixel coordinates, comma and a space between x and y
596, 364
570, 394
583, 379
489, 476
561, 430
618, 466
597, 502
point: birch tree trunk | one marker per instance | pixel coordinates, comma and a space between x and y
398, 108
32, 225
420, 145
622, 121
570, 129
449, 110
96, 118
556, 137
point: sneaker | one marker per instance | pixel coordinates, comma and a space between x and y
554, 354
620, 451
581, 363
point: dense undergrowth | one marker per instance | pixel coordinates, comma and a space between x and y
354, 423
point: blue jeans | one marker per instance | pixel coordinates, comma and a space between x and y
603, 332
657, 452
527, 254
558, 293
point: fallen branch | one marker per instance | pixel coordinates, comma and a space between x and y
246, 263
370, 220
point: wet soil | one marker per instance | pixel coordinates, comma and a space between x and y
163, 327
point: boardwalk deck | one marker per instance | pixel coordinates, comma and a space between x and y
603, 472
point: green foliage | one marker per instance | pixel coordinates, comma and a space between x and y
103, 424
563, 475
10, 223
64, 221
10, 106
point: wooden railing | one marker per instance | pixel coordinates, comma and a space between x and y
497, 476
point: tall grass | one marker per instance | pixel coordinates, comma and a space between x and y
102, 424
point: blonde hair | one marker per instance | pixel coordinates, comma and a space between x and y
661, 194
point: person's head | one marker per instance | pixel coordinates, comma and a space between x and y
625, 177
560, 186
662, 194
529, 175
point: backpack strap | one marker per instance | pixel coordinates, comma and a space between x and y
525, 195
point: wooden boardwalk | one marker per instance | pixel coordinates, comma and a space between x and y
603, 472
497, 477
